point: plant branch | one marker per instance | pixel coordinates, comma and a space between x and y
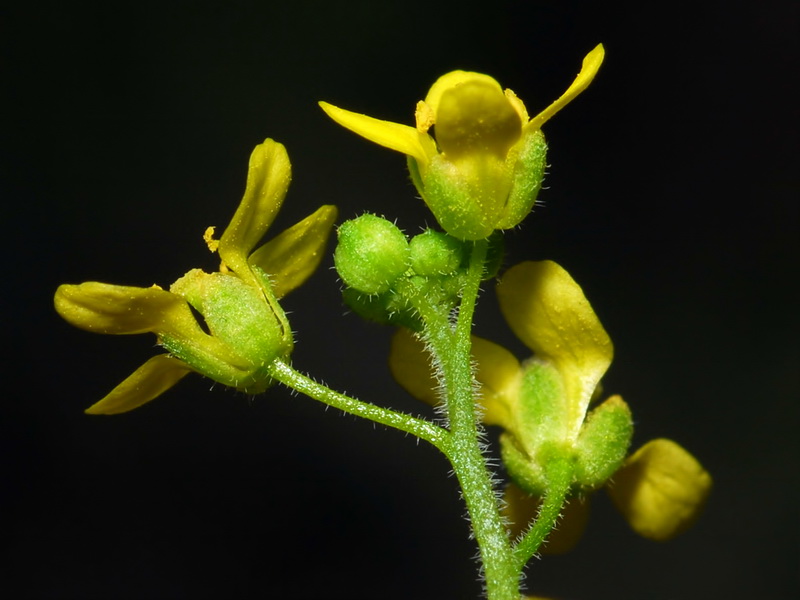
299, 382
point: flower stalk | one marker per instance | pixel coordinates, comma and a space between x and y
451, 350
425, 430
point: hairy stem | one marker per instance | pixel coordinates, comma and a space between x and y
421, 428
451, 349
559, 478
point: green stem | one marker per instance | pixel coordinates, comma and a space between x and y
559, 479
421, 428
451, 348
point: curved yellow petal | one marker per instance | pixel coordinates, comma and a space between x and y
473, 115
521, 509
119, 309
454, 79
410, 365
268, 180
291, 257
394, 136
476, 118
547, 310
148, 382
660, 490
590, 66
518, 105
499, 374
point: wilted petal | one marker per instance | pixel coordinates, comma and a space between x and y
547, 310
291, 257
394, 136
119, 309
660, 490
268, 180
148, 382
591, 64
498, 372
410, 365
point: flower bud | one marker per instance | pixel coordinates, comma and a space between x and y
434, 253
371, 254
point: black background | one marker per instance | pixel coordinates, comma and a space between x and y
672, 199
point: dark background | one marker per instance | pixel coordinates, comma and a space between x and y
672, 199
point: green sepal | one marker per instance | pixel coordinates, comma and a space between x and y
416, 178
467, 198
495, 253
527, 178
527, 473
541, 410
246, 331
603, 443
371, 253
535, 475
539, 430
217, 361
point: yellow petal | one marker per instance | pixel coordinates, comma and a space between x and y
591, 64
268, 180
547, 310
518, 105
410, 365
291, 257
521, 509
119, 309
661, 490
394, 136
499, 374
473, 116
148, 382
452, 80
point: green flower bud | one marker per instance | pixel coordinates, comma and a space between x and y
371, 254
434, 253
387, 308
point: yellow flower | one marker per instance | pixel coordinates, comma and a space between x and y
485, 167
247, 327
543, 406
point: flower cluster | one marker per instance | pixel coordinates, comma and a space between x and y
543, 406
247, 329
